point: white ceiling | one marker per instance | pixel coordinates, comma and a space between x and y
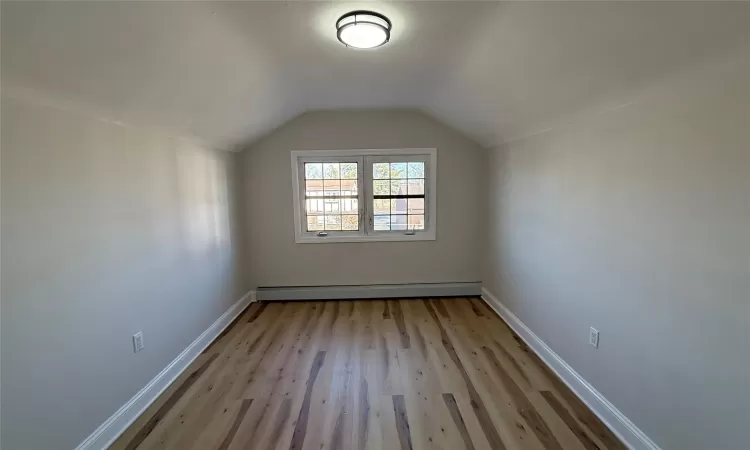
229, 73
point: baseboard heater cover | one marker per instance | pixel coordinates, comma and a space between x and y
286, 293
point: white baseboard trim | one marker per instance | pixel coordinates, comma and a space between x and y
369, 291
630, 434
113, 427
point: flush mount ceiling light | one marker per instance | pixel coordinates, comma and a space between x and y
363, 29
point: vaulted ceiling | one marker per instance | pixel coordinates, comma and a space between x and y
230, 72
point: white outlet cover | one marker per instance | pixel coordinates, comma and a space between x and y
138, 342
594, 337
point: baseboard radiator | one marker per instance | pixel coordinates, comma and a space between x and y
349, 292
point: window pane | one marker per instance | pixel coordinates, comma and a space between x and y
348, 187
314, 223
398, 187
398, 206
314, 188
381, 187
350, 223
416, 170
398, 170
349, 171
382, 223
315, 206
331, 171
416, 187
416, 222
416, 206
349, 206
381, 206
313, 171
332, 205
332, 187
333, 222
380, 171
398, 222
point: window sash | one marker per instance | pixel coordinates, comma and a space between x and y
303, 197
369, 178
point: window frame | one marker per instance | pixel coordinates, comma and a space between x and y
365, 158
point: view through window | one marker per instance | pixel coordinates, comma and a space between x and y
398, 196
331, 196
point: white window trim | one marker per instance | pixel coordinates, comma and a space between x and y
429, 234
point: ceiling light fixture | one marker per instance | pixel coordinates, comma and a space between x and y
363, 29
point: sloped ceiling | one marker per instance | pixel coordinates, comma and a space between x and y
229, 73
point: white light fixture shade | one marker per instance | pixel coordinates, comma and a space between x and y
363, 29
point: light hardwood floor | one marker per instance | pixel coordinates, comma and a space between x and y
395, 374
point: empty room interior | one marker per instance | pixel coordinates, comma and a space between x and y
314, 225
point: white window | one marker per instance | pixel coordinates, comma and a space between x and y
364, 195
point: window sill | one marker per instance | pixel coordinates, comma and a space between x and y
425, 236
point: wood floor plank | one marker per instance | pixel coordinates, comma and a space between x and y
388, 345
402, 422
245, 436
362, 411
258, 311
588, 419
498, 412
216, 429
478, 437
478, 310
364, 429
224, 388
476, 401
291, 363
166, 408
298, 438
417, 374
440, 308
522, 404
237, 421
545, 379
450, 403
137, 425
388, 426
559, 428
371, 434
430, 423
587, 442
280, 423
398, 316
335, 423
386, 310
180, 426
517, 369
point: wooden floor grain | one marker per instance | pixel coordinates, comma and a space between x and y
368, 374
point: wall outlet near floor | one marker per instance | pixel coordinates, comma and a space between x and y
594, 337
138, 342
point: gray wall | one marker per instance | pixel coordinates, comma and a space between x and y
637, 222
106, 231
275, 259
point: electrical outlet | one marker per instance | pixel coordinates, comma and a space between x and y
594, 337
138, 342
